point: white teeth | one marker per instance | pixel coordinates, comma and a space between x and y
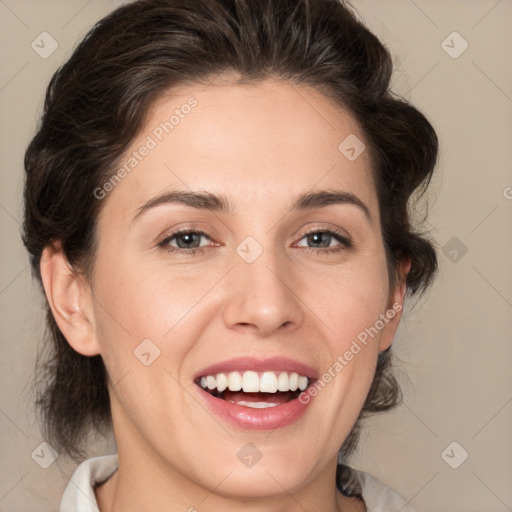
283, 383
222, 382
211, 382
256, 405
294, 381
234, 381
268, 382
253, 382
250, 382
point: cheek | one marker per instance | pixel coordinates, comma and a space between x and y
352, 304
350, 299
142, 349
134, 304
144, 300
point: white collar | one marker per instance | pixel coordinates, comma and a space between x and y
79, 494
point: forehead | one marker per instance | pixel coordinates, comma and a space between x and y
257, 144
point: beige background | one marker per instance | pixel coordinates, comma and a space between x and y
455, 346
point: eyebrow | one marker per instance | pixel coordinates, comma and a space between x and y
219, 203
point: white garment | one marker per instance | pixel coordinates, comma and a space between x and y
79, 493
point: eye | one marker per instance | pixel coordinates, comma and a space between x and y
185, 241
323, 239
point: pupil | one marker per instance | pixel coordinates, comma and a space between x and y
187, 237
313, 239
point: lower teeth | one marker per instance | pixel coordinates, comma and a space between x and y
255, 405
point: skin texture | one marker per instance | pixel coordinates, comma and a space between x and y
261, 146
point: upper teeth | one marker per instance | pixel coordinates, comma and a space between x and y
253, 382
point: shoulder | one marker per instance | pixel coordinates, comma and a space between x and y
376, 496
79, 493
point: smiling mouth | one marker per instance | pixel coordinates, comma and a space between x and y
257, 390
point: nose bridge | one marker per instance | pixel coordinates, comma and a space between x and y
262, 292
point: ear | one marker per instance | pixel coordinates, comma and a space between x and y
70, 300
395, 306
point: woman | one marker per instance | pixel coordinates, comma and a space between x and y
216, 206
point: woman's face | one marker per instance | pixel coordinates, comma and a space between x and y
281, 269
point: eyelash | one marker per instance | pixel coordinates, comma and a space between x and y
345, 242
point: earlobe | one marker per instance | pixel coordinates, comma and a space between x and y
395, 307
70, 300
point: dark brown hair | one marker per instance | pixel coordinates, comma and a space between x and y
97, 102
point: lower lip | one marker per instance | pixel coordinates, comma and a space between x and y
250, 418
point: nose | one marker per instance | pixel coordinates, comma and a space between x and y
263, 297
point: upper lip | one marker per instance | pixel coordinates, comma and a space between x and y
258, 364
